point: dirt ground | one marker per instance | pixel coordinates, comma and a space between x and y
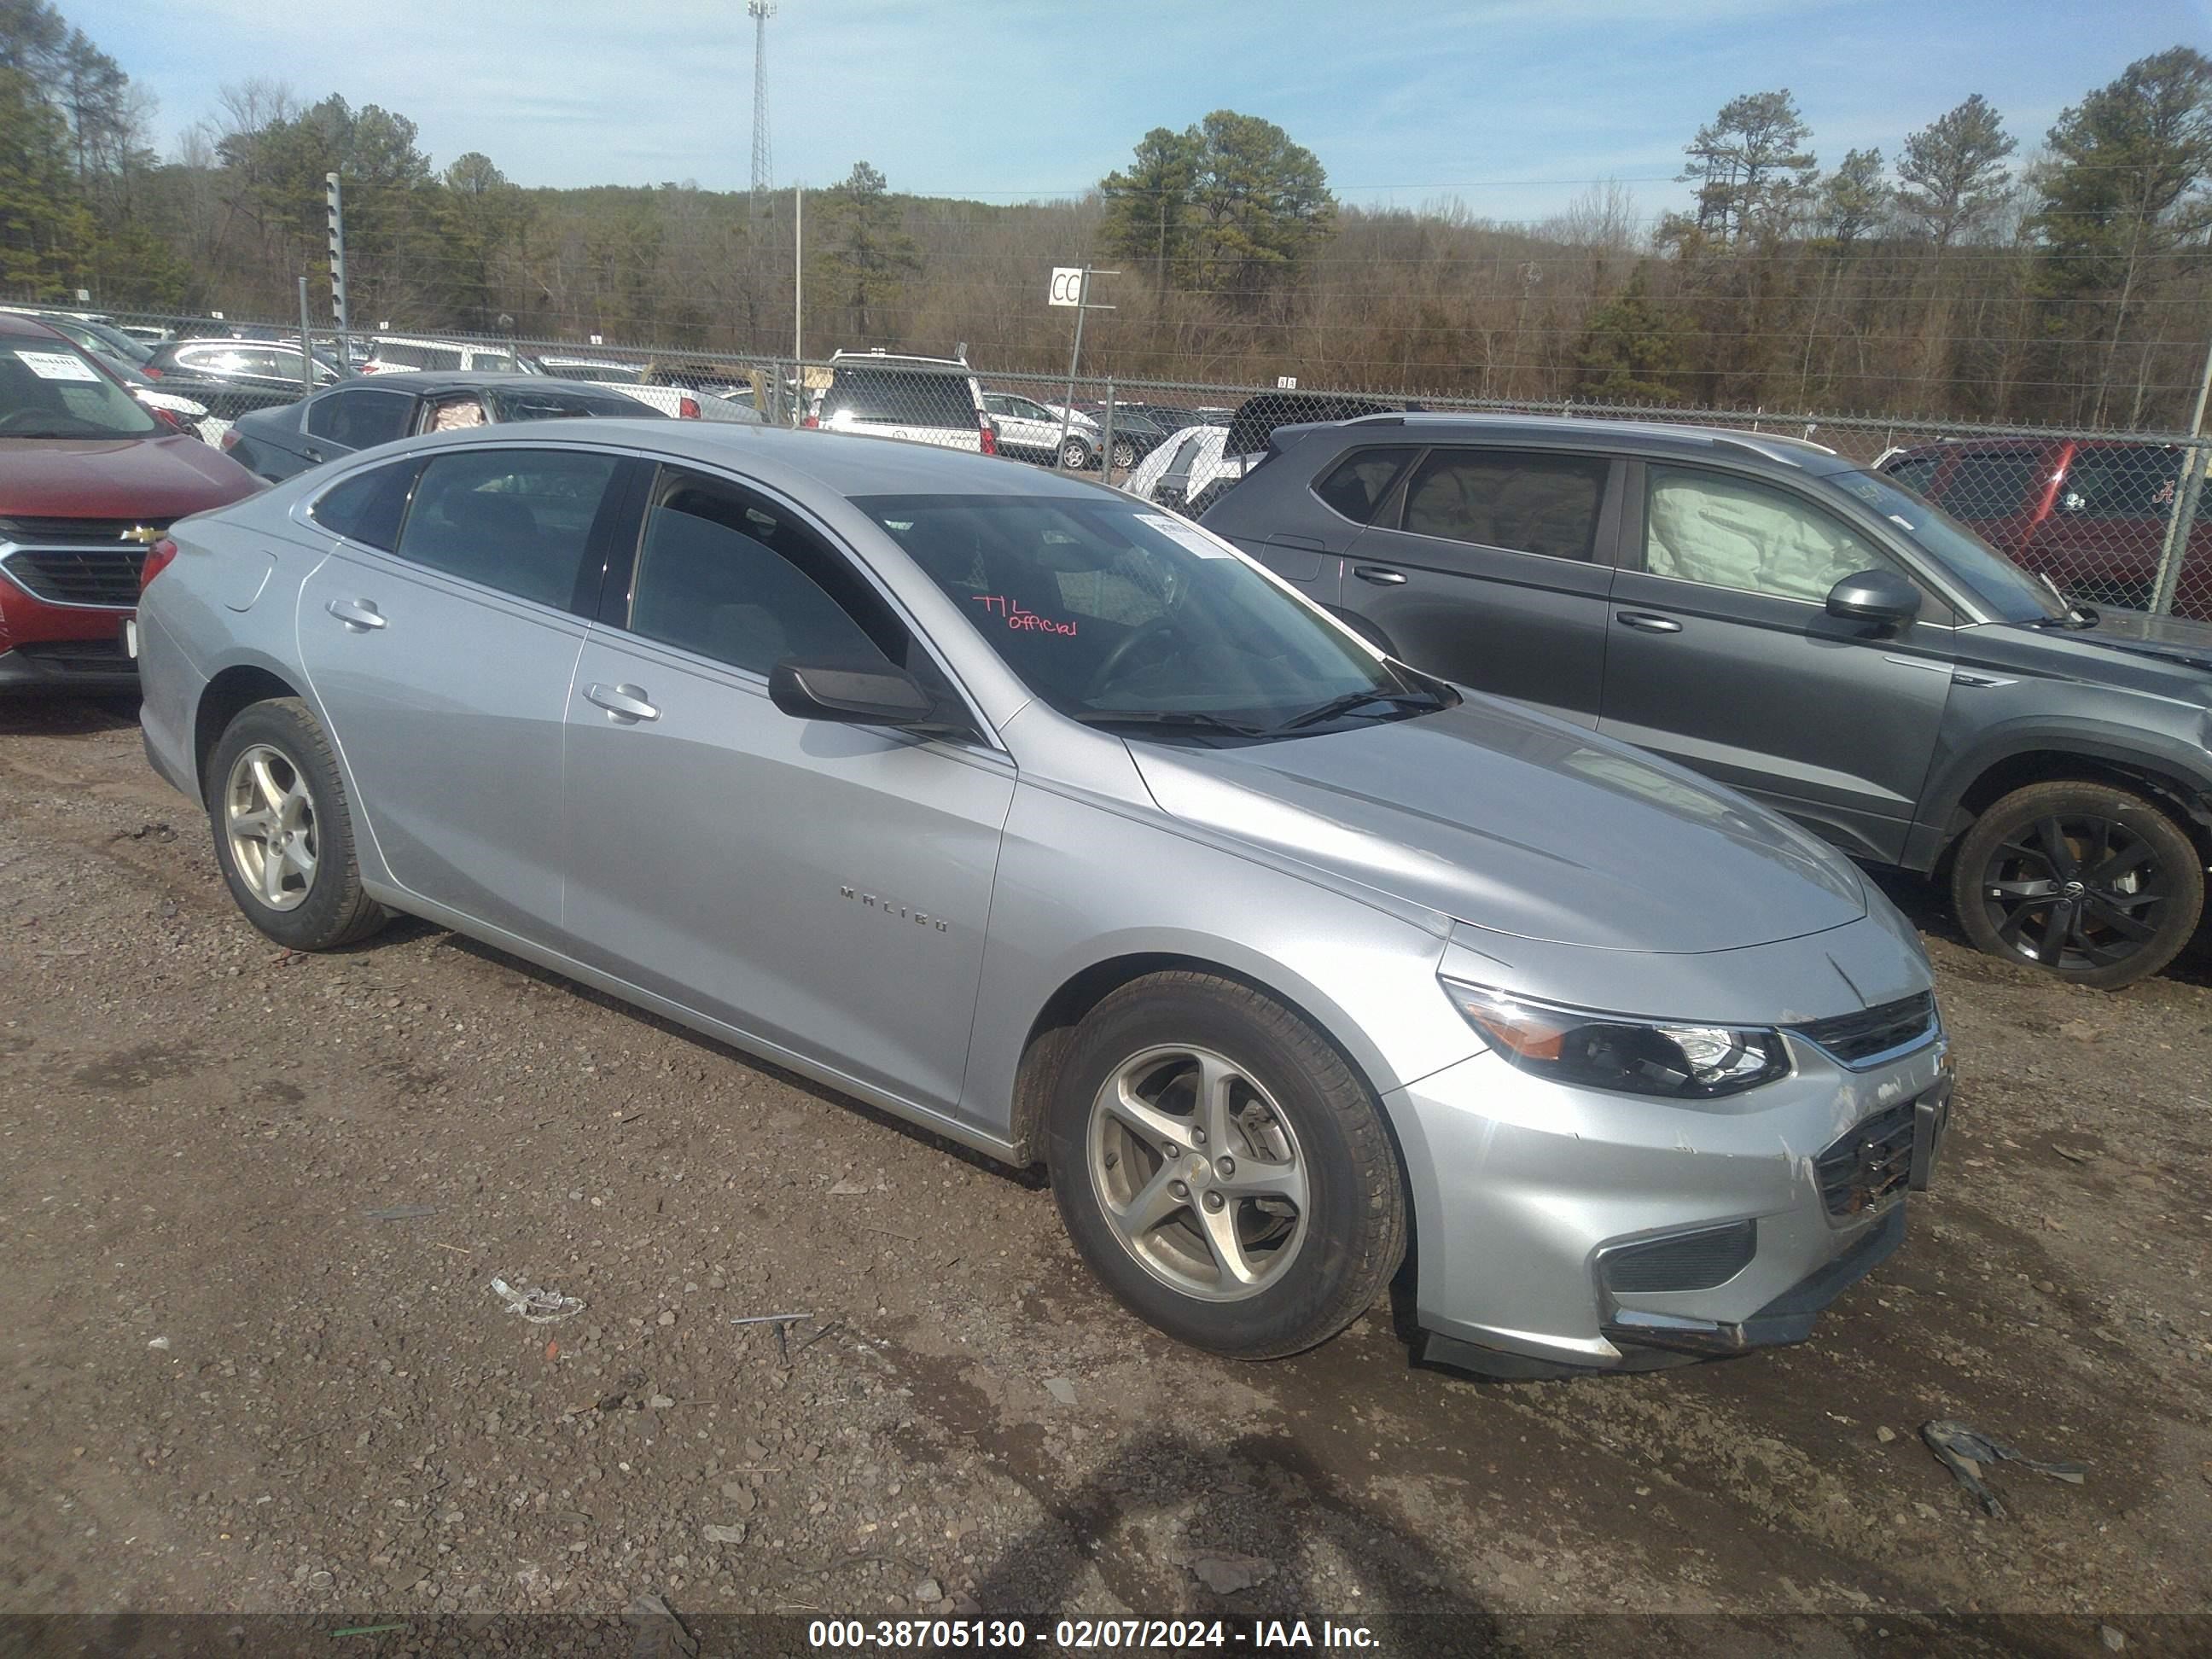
252, 1205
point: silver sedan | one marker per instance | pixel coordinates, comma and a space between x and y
1047, 820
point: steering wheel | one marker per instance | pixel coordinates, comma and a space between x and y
1160, 627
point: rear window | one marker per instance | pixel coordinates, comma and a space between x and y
1992, 485
1915, 472
570, 405
493, 363
2133, 482
899, 398
1361, 480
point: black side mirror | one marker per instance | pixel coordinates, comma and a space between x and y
1875, 596
855, 692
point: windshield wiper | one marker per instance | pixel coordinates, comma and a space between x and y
1352, 700
1196, 718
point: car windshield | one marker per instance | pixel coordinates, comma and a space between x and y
48, 390
1999, 583
1123, 617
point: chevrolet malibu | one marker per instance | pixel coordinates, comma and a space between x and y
1052, 823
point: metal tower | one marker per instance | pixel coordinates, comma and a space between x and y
763, 169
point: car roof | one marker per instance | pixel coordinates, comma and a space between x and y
846, 464
2029, 441
18, 323
893, 360
430, 382
1626, 437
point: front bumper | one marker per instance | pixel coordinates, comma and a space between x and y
1529, 1198
61, 648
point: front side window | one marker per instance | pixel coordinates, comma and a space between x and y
1526, 500
1727, 531
48, 389
727, 574
358, 418
1356, 486
516, 519
1110, 612
1999, 583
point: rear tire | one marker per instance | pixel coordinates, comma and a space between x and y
283, 830
2095, 885
1222, 1169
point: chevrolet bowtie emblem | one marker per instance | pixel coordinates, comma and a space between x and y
144, 535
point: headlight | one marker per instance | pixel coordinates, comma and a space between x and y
1610, 1051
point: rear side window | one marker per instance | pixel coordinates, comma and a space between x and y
358, 417
569, 406
1360, 481
1525, 500
2121, 483
367, 507
516, 519
1990, 485
1915, 473
899, 398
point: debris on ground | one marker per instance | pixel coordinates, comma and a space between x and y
1226, 1574
659, 1633
1959, 1448
731, 1535
538, 1307
1060, 1389
399, 1212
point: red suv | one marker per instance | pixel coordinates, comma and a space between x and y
2089, 513
89, 478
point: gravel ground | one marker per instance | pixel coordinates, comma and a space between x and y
253, 1205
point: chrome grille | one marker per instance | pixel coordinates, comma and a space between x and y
1857, 1038
79, 575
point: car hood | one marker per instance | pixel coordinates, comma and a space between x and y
159, 477
1524, 825
2174, 638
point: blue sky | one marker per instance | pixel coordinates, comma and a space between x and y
1511, 106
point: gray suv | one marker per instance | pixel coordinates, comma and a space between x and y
1791, 623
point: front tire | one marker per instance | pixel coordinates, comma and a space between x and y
1222, 1169
2093, 885
283, 833
1075, 455
1125, 454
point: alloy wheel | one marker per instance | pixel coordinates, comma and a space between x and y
2075, 891
1199, 1173
269, 817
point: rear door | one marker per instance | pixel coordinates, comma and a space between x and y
1723, 657
1491, 567
443, 666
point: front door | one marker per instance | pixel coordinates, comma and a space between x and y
824, 888
1724, 657
443, 664
1491, 567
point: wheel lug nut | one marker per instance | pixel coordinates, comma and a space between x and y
1170, 1151
1225, 1167
1179, 1189
1213, 1201
1197, 1137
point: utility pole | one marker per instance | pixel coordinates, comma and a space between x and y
798, 272
763, 168
336, 206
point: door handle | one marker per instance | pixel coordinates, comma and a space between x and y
1379, 576
1644, 623
623, 703
357, 614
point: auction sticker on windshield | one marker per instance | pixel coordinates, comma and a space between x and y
57, 366
1203, 543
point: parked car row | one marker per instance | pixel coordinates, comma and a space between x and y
1497, 784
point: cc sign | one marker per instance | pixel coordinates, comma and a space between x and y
1066, 285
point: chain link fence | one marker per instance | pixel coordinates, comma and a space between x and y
2111, 518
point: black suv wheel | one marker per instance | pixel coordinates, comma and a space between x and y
2089, 882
